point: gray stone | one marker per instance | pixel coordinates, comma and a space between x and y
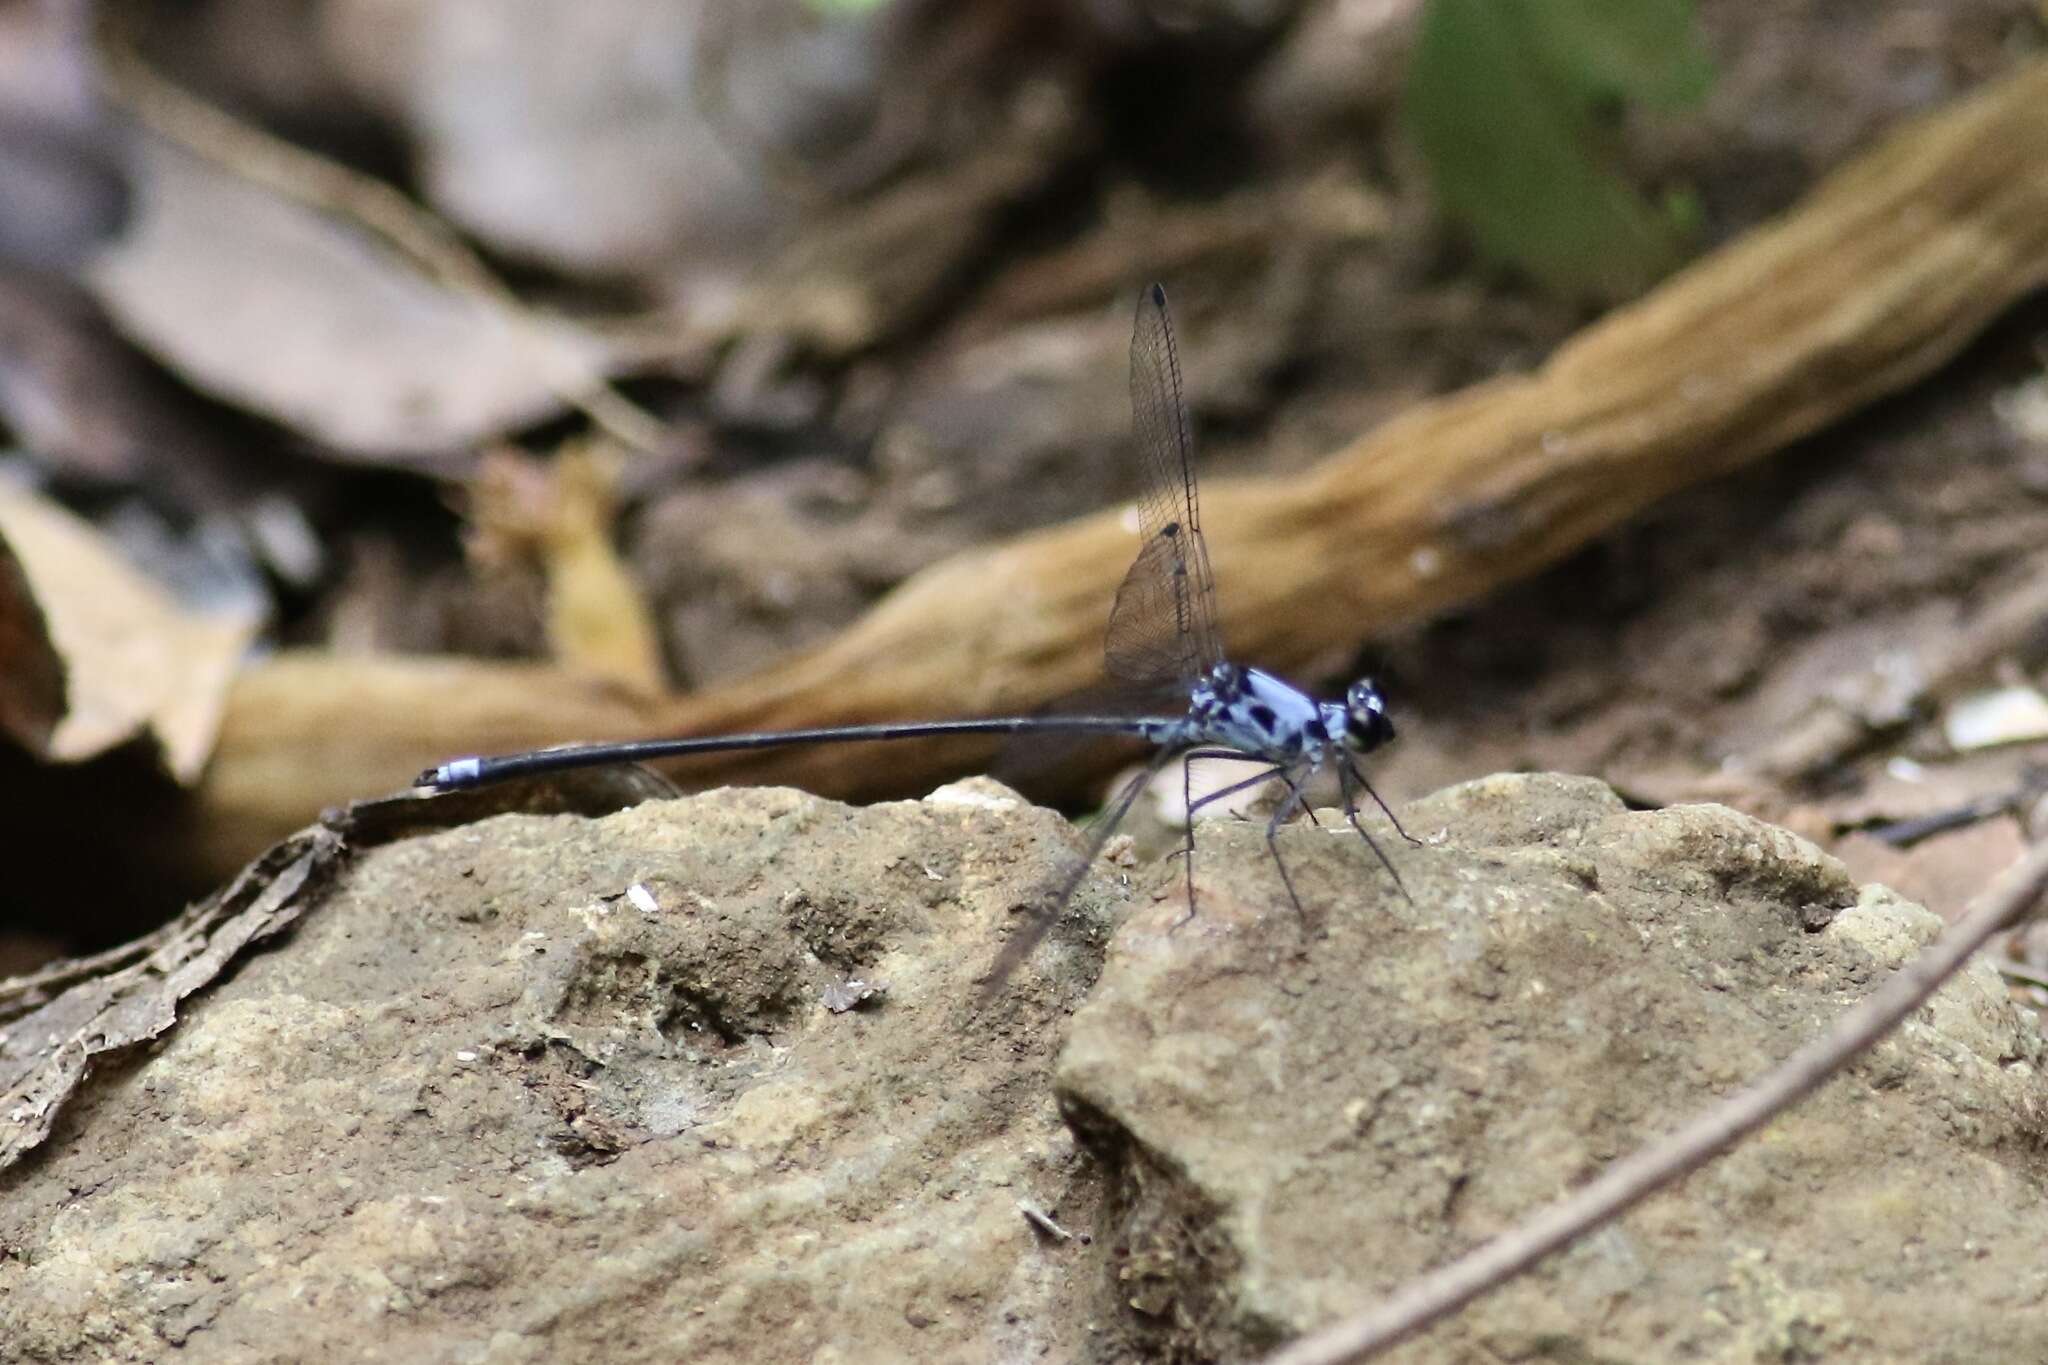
556, 1087
1293, 1130
485, 1105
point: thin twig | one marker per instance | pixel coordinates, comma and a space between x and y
1649, 1169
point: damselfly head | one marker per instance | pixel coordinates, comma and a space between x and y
1367, 725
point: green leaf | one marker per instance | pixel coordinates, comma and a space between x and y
844, 9
1505, 99
1643, 50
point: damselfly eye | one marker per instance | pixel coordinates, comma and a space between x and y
1368, 726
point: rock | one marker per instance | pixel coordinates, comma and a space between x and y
484, 1104
1293, 1130
561, 1087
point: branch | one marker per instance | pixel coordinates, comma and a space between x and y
1884, 271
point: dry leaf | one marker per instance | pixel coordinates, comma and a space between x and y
297, 315
559, 515
98, 654
569, 132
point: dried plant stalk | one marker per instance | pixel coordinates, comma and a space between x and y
1883, 272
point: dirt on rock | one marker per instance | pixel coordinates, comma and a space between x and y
714, 1079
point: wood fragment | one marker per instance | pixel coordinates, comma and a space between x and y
49, 1049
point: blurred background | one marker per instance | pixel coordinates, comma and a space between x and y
516, 372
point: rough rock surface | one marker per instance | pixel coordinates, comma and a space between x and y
557, 1088
1292, 1131
709, 1079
